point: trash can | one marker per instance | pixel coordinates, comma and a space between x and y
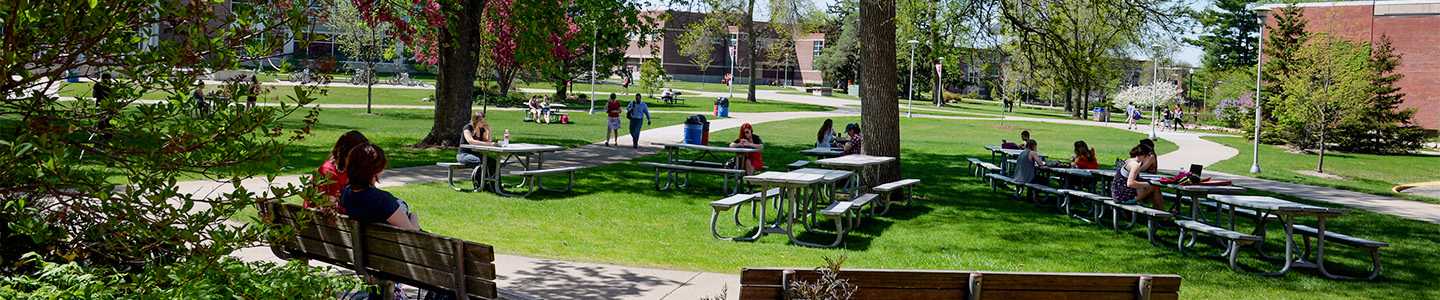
72, 76
722, 107
695, 130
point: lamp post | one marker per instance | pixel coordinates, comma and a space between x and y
910, 100
1155, 78
1260, 13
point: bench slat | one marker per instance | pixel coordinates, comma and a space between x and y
950, 279
896, 184
545, 171
1043, 188
693, 168
1340, 238
1217, 231
838, 208
1139, 209
863, 199
732, 201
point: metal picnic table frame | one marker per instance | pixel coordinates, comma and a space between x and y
1287, 211
794, 203
514, 152
673, 157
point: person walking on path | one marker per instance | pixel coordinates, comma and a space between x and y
636, 112
612, 124
1131, 116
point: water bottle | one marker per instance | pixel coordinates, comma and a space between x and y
507, 136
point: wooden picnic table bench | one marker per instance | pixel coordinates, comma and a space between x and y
674, 165
773, 283
1308, 232
532, 178
429, 261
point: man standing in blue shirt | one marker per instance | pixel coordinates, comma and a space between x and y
637, 111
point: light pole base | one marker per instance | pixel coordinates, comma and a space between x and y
1255, 168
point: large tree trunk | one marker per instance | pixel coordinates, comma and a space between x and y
880, 114
454, 86
751, 49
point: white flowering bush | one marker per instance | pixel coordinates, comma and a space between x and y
1157, 94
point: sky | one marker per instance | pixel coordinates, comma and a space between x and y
1187, 53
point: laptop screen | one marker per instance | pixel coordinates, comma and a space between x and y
1195, 169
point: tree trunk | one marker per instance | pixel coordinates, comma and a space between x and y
504, 80
879, 115
369, 87
751, 49
454, 85
1320, 167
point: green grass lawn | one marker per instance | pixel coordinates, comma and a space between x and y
614, 215
404, 127
707, 105
1373, 174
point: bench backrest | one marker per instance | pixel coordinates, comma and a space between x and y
430, 261
769, 283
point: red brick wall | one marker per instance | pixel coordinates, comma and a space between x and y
1415, 37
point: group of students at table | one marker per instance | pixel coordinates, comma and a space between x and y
826, 137
1126, 187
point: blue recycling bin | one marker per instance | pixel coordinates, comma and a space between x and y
695, 130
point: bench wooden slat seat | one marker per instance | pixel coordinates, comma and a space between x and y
728, 175
733, 201
1241, 211
1036, 191
846, 216
1308, 232
772, 283
532, 178
986, 167
450, 177
799, 164
426, 260
1236, 239
972, 162
886, 189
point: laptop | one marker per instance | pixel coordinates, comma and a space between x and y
1195, 169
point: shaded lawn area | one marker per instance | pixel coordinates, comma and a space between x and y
1373, 174
333, 95
396, 129
614, 215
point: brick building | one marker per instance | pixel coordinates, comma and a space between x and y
795, 70
1414, 30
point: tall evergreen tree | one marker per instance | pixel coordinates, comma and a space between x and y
1231, 39
1281, 43
1381, 126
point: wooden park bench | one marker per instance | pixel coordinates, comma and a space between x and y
985, 167
532, 178
773, 283
1374, 247
1040, 194
429, 261
728, 175
1236, 239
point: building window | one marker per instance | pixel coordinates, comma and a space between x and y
819, 45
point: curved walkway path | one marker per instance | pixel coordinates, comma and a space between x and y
558, 279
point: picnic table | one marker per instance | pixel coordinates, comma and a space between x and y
1107, 176
1196, 193
855, 163
793, 204
1005, 162
709, 160
511, 153
1287, 211
824, 152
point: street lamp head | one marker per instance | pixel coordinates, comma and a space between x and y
1155, 46
912, 42
1260, 12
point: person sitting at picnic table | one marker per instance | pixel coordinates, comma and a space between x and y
748, 139
1154, 162
477, 132
199, 96
1025, 170
366, 203
532, 107
854, 146
1084, 157
544, 110
1127, 186
333, 170
826, 137
668, 95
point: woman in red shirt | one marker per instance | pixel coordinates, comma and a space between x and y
334, 169
1084, 157
612, 123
